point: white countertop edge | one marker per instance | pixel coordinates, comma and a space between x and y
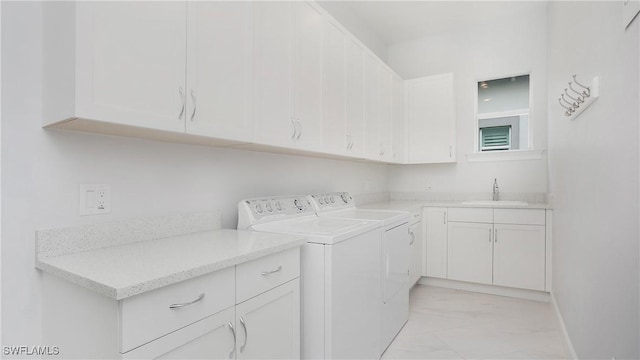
156, 283
409, 205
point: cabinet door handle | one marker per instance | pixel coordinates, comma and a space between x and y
294, 129
246, 334
495, 236
449, 151
233, 332
178, 306
265, 273
489, 235
413, 237
299, 130
195, 105
181, 92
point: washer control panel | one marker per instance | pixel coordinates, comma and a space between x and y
332, 201
259, 210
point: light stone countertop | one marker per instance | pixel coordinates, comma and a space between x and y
130, 269
409, 205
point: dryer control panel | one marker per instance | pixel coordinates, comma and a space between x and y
260, 210
332, 201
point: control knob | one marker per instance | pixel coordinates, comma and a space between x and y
258, 208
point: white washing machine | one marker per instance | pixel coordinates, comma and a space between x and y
395, 256
341, 275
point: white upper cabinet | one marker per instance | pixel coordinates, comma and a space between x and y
130, 63
273, 40
431, 119
397, 119
386, 123
219, 69
334, 137
355, 98
371, 107
307, 75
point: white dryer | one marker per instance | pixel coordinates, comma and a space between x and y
395, 256
341, 275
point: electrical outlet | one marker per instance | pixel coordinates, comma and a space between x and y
95, 199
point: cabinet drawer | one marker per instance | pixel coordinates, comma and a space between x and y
519, 216
260, 275
415, 216
471, 215
148, 316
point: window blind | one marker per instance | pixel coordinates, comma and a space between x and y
495, 138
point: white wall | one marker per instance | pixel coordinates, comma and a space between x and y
513, 47
593, 172
342, 12
42, 169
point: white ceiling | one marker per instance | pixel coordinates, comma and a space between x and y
398, 21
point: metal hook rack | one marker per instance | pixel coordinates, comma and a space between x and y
579, 99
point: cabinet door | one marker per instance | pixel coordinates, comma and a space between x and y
307, 75
268, 325
273, 123
210, 338
371, 107
470, 252
333, 89
431, 119
355, 98
397, 119
130, 63
519, 256
386, 124
415, 269
219, 69
436, 243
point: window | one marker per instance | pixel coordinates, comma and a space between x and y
495, 138
503, 114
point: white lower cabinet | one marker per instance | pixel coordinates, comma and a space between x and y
470, 252
505, 247
436, 243
248, 311
267, 326
263, 327
209, 338
415, 231
519, 256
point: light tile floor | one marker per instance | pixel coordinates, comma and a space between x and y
454, 324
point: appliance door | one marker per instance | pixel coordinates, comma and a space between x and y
353, 292
395, 252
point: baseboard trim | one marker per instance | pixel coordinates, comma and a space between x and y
487, 289
567, 340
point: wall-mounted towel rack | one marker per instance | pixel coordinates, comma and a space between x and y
576, 99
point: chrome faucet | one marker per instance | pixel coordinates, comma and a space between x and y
496, 190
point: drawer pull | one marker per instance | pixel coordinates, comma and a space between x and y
265, 273
178, 306
246, 335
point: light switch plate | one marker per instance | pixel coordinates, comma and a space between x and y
94, 199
